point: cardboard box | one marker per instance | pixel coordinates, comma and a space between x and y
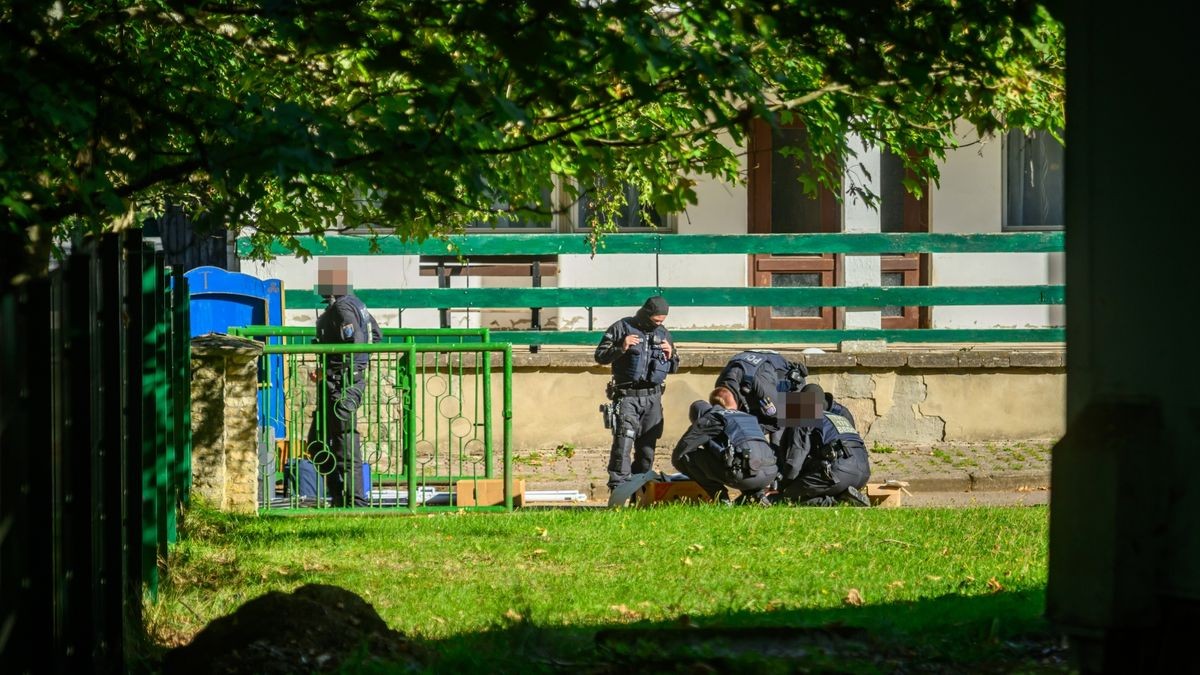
487, 492
886, 494
661, 492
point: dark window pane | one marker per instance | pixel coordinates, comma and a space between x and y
892, 279
795, 280
891, 193
632, 215
1033, 166
519, 221
792, 210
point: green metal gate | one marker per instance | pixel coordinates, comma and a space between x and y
428, 420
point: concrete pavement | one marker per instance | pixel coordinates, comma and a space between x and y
946, 474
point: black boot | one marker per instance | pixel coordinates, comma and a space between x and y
853, 497
756, 498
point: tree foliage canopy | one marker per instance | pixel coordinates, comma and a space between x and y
416, 117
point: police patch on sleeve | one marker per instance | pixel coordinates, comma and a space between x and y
347, 331
842, 424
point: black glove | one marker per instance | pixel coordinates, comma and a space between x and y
797, 372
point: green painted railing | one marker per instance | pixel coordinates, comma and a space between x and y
492, 245
305, 334
411, 298
683, 244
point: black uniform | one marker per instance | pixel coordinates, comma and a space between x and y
824, 465
757, 377
638, 379
725, 449
333, 439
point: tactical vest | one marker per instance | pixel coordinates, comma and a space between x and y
331, 332
838, 431
743, 437
643, 363
741, 430
751, 360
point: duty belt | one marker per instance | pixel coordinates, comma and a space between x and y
638, 390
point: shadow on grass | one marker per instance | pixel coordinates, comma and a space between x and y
1002, 632
999, 633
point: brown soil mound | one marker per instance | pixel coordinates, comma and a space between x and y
314, 629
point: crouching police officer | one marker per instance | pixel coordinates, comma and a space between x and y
823, 460
642, 354
757, 377
726, 448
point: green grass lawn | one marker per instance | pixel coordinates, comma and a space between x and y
865, 589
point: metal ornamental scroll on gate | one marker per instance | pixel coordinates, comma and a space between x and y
426, 423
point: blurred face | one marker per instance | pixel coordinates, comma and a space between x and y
802, 409
332, 277
658, 319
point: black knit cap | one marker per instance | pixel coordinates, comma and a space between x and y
655, 305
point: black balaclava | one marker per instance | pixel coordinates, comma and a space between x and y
654, 305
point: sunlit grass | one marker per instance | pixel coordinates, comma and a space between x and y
446, 578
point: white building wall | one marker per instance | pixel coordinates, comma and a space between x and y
862, 270
721, 209
971, 199
392, 271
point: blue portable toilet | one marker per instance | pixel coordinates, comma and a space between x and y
220, 300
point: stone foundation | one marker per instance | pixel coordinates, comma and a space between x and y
898, 396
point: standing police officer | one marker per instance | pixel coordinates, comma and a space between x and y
726, 448
823, 460
756, 377
333, 439
642, 354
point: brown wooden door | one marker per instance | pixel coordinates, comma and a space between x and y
778, 205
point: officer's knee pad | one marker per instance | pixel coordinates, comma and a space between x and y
625, 442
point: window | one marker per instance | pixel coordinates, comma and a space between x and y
892, 194
518, 222
1033, 182
891, 279
635, 216
793, 210
794, 280
779, 205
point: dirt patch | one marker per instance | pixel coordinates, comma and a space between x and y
316, 629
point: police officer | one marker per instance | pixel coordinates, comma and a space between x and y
757, 377
726, 448
823, 460
642, 354
334, 442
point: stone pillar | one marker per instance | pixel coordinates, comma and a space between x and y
862, 270
225, 421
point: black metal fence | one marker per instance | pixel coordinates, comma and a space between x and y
95, 437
